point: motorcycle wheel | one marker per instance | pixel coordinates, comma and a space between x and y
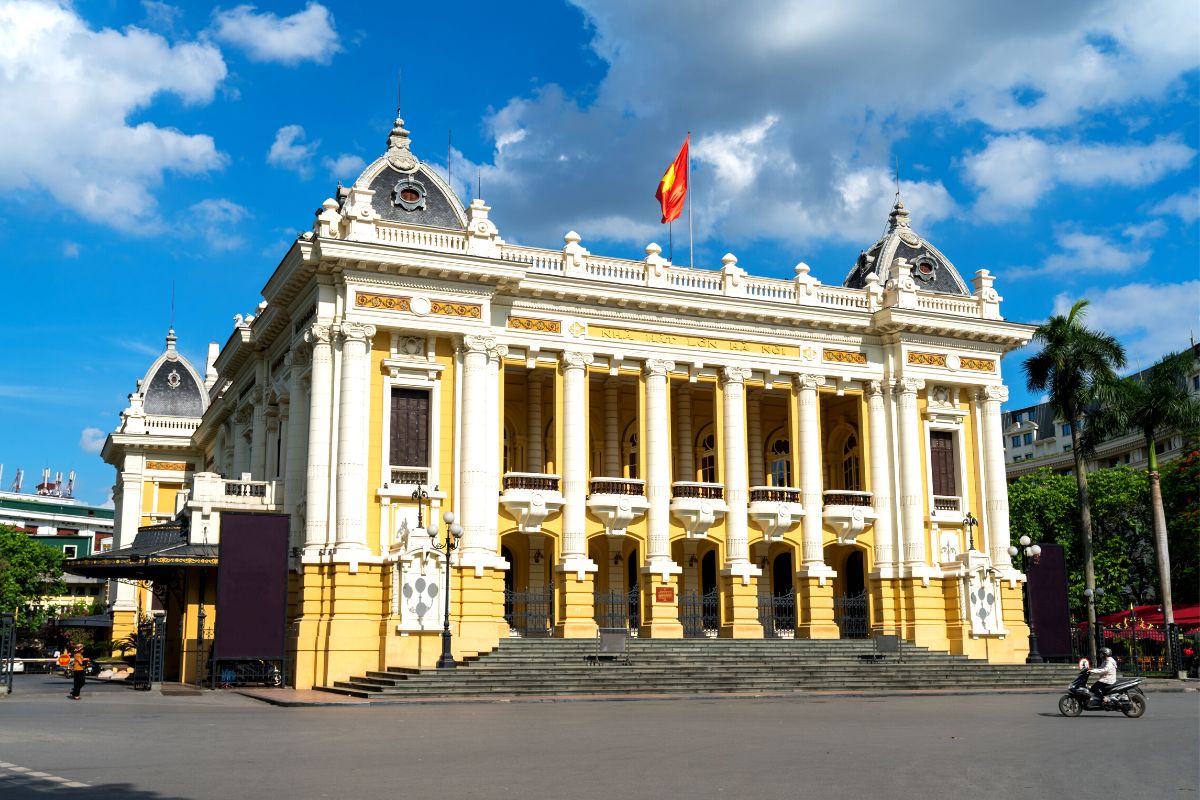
1069, 706
1136, 707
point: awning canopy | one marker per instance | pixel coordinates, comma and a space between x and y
1152, 617
90, 621
156, 551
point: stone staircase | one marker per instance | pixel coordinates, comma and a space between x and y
698, 666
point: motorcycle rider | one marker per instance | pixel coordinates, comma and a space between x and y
1107, 675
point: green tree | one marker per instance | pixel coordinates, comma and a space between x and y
1150, 404
1072, 361
1181, 501
29, 572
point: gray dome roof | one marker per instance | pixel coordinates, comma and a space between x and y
172, 388
901, 249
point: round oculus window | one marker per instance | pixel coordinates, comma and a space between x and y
409, 194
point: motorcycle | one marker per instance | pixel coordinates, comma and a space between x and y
1125, 696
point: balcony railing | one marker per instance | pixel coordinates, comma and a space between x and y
774, 494
245, 488
843, 497
209, 489
693, 489
943, 503
413, 476
534, 481
617, 486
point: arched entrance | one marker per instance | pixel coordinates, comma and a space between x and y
851, 611
528, 604
699, 611
777, 604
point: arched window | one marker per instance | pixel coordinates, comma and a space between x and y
850, 464
706, 455
843, 460
631, 453
779, 457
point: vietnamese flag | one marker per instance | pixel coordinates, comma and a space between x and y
672, 189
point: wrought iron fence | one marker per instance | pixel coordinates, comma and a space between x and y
151, 643
777, 613
8, 641
1139, 650
850, 614
619, 609
530, 613
700, 614
225, 673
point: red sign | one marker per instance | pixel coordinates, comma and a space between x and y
664, 594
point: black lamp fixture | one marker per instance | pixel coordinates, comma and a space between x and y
692, 560
1028, 550
537, 556
970, 522
448, 545
617, 558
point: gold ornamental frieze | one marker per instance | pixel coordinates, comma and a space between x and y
979, 364
169, 466
927, 359
535, 325
468, 310
699, 342
844, 356
420, 305
387, 302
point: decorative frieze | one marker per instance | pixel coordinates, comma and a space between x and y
169, 466
927, 359
979, 364
386, 302
699, 342
535, 325
844, 356
419, 305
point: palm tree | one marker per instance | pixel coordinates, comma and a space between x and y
1155, 402
1073, 361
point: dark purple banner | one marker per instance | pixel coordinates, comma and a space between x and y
252, 575
1048, 602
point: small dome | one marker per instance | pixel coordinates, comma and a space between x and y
902, 249
172, 388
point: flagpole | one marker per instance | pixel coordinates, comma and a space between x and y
671, 241
691, 241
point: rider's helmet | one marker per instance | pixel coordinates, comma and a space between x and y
1106, 652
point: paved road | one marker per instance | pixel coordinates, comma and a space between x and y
137, 746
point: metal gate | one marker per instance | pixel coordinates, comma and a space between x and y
8, 643
619, 610
151, 646
850, 613
700, 614
530, 613
777, 613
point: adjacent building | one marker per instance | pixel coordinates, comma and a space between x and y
684, 452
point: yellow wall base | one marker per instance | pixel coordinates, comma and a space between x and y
739, 619
577, 602
660, 620
124, 624
814, 610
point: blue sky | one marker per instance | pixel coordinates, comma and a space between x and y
150, 144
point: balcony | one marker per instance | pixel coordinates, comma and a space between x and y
698, 506
946, 509
617, 502
211, 492
408, 476
775, 510
530, 497
847, 513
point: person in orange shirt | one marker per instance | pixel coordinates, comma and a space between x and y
77, 671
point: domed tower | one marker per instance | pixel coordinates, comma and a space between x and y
902, 250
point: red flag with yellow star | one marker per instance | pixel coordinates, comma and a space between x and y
672, 189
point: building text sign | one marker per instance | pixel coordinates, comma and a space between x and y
664, 594
698, 342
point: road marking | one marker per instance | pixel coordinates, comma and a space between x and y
30, 777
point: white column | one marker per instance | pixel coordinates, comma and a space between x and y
733, 449
128, 518
810, 468
480, 419
612, 432
258, 425
685, 457
535, 447
320, 413
881, 484
912, 499
658, 469
994, 477
754, 442
297, 432
353, 419
574, 457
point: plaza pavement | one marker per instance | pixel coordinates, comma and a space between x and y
141, 745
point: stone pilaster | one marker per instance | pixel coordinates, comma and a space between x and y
612, 427
662, 618
258, 424
297, 441
912, 495
534, 443
480, 434
995, 482
576, 570
881, 474
685, 457
814, 588
353, 416
754, 440
739, 574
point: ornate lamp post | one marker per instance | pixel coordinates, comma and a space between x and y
1097, 636
447, 546
970, 522
1028, 549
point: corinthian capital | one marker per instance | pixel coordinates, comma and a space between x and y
657, 367
995, 394
876, 388
733, 375
477, 344
909, 385
806, 381
318, 334
574, 360
356, 331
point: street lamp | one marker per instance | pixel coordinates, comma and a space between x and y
1097, 638
447, 546
970, 522
1028, 550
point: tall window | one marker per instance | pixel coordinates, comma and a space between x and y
708, 459
781, 462
941, 461
410, 427
850, 464
631, 456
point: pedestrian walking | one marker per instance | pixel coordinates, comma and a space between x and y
77, 672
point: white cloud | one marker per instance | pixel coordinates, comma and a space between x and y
794, 124
290, 151
307, 35
346, 167
92, 440
1146, 230
69, 92
217, 220
70, 250
1185, 205
1014, 172
160, 16
1150, 320
1081, 253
